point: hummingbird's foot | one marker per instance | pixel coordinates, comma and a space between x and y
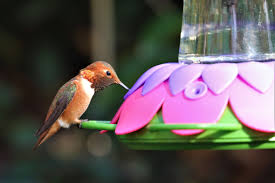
83, 120
80, 121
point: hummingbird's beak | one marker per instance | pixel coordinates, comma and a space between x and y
123, 85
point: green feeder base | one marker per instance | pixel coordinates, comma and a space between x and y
227, 134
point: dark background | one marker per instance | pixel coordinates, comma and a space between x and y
45, 43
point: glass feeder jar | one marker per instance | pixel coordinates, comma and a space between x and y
215, 31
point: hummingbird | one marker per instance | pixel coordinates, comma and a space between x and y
74, 97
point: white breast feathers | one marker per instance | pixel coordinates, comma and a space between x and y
87, 87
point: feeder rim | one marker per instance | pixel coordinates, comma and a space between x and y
105, 125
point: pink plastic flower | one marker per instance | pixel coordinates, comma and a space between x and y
199, 93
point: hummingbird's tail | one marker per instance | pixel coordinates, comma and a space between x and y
47, 134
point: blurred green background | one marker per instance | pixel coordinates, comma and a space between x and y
45, 43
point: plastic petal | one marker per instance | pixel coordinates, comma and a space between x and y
219, 76
115, 118
158, 77
139, 110
208, 109
253, 109
259, 75
183, 76
144, 77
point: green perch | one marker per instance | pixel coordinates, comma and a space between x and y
227, 134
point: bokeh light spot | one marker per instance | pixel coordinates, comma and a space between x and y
99, 145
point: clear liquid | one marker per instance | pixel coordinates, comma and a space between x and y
213, 31
188, 59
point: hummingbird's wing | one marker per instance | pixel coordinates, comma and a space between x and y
63, 97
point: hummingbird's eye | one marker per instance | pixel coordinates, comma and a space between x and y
108, 73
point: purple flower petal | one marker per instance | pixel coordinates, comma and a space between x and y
183, 76
139, 110
272, 64
219, 76
179, 109
144, 77
259, 75
158, 77
253, 109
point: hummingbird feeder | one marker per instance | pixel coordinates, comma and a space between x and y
220, 95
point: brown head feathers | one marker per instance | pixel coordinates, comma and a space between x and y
101, 74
